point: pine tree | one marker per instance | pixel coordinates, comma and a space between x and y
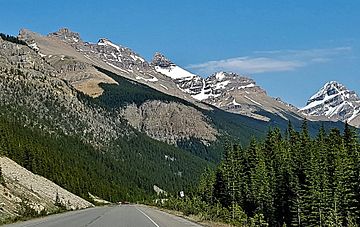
221, 194
206, 186
351, 146
232, 168
318, 191
28, 159
344, 196
284, 191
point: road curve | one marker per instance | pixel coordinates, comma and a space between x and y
115, 216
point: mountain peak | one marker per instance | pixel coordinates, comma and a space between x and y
105, 41
335, 101
25, 31
66, 35
160, 60
329, 89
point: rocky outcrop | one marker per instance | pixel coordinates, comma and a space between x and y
336, 102
161, 61
66, 35
169, 122
23, 188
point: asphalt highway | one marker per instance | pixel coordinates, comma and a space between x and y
112, 216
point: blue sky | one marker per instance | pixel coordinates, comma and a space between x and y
291, 48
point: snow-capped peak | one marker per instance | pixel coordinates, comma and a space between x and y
330, 88
213, 87
166, 67
335, 101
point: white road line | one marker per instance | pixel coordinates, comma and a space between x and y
148, 217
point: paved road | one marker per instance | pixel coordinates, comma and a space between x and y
116, 216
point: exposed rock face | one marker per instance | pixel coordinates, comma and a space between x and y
336, 102
161, 61
66, 35
35, 91
23, 187
169, 122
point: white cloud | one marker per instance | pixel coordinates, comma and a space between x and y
271, 61
247, 65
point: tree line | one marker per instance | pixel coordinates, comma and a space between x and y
12, 39
289, 179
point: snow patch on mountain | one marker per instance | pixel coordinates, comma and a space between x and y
246, 86
175, 72
153, 79
252, 100
204, 93
235, 103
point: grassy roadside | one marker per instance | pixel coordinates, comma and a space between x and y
33, 216
193, 218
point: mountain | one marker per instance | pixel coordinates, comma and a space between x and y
228, 91
336, 102
75, 60
69, 135
98, 118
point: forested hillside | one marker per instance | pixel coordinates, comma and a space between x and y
289, 179
126, 171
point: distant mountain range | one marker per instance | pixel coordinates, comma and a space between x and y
240, 94
228, 91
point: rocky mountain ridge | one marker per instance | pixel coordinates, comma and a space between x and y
64, 48
74, 60
336, 102
228, 91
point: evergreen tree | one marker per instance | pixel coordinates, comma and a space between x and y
344, 197
231, 172
318, 185
206, 186
352, 148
